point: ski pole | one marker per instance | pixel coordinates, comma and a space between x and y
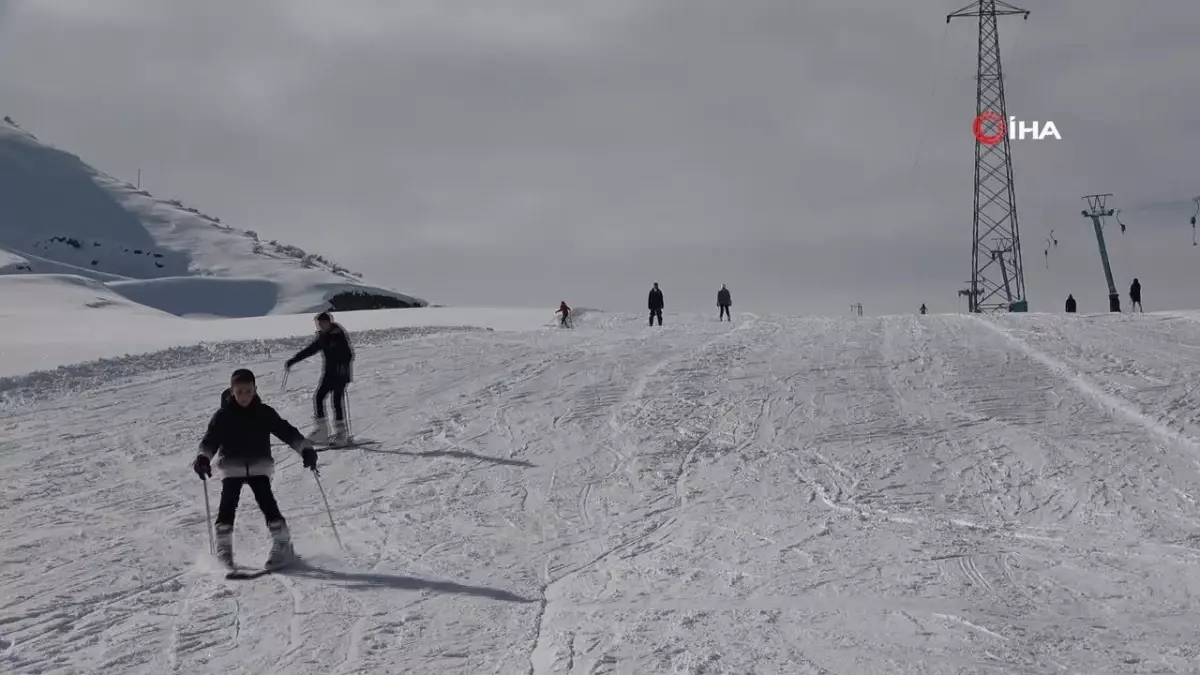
328, 511
212, 546
283, 384
346, 403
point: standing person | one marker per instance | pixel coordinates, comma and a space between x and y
1070, 304
924, 310
564, 311
239, 436
724, 301
656, 304
334, 345
1135, 295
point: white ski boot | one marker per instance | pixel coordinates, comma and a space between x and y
341, 435
225, 545
320, 435
282, 552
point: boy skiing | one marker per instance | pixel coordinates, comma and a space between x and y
565, 312
334, 345
239, 435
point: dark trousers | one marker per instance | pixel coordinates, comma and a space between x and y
564, 322
654, 313
231, 492
331, 384
725, 313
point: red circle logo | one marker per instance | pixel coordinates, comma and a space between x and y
985, 138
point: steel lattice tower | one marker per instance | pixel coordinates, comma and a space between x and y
994, 271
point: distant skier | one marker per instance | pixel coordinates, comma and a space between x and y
656, 304
240, 433
923, 309
334, 345
564, 312
1070, 304
724, 300
1135, 295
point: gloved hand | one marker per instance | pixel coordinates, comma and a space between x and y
308, 455
202, 467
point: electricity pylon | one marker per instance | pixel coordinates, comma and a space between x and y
995, 198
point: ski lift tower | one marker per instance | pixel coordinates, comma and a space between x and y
995, 197
1097, 210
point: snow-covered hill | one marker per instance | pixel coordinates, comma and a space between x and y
902, 495
59, 215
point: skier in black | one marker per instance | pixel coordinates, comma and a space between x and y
334, 345
656, 304
239, 435
1135, 295
724, 301
1070, 304
924, 310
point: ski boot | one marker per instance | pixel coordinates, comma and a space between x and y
320, 435
282, 552
341, 434
225, 544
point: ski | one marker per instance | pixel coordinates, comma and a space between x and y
248, 573
254, 573
352, 443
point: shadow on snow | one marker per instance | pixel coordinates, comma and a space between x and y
366, 580
459, 454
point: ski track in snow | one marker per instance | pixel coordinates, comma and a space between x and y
940, 494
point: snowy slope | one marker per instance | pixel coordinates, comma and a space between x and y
64, 217
11, 263
53, 321
933, 495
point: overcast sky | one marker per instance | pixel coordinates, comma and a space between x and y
810, 154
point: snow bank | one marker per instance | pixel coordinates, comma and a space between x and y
203, 296
62, 300
57, 320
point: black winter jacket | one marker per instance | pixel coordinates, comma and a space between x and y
334, 347
656, 299
723, 298
242, 437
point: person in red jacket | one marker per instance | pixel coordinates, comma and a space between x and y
564, 311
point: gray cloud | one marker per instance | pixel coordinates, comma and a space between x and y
810, 155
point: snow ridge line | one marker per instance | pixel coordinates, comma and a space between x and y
1113, 404
43, 385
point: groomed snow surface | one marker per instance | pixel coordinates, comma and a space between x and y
938, 494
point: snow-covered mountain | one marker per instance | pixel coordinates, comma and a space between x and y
58, 215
